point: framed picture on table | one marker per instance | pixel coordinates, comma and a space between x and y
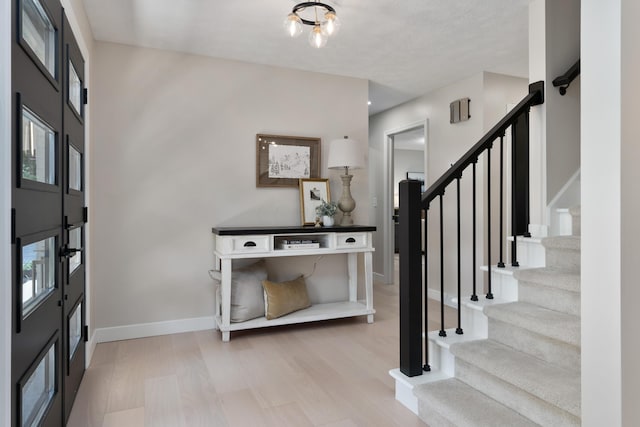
312, 192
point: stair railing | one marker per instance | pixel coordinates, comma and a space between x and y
562, 82
413, 293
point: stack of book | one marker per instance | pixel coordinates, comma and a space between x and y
299, 244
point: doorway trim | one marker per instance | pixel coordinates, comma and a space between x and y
387, 202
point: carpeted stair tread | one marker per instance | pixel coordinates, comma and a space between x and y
562, 252
464, 406
549, 323
557, 386
562, 242
566, 280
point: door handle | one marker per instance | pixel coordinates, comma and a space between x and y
68, 252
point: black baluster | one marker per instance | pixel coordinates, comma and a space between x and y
489, 291
501, 242
442, 332
526, 199
426, 366
514, 192
474, 296
459, 328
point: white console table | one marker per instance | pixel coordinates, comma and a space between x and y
264, 242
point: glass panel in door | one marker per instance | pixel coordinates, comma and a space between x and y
75, 169
38, 273
38, 390
75, 89
39, 34
38, 149
75, 242
75, 330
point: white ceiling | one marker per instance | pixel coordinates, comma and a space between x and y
405, 48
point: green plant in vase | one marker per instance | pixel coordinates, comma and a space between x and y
326, 210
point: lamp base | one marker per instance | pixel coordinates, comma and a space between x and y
346, 203
346, 219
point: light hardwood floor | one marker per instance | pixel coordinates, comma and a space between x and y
332, 373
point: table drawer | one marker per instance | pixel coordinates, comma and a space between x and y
243, 244
352, 240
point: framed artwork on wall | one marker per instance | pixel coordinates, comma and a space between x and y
312, 192
282, 160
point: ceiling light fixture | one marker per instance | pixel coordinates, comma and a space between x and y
325, 23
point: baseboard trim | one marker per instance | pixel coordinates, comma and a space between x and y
379, 278
448, 299
142, 330
90, 348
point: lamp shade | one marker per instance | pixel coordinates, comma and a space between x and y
345, 153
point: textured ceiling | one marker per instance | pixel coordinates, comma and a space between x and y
405, 48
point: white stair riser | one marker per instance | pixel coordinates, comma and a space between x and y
545, 348
504, 286
474, 322
404, 395
441, 359
405, 386
530, 253
564, 222
515, 398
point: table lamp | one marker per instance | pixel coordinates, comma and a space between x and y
344, 154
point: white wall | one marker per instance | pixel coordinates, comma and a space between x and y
174, 154
499, 91
447, 142
610, 208
563, 112
489, 94
554, 46
5, 212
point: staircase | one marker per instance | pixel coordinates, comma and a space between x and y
526, 371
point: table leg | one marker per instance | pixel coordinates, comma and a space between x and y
368, 282
225, 290
352, 267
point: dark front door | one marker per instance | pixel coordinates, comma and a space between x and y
73, 218
44, 293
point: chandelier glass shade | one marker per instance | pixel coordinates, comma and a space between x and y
320, 16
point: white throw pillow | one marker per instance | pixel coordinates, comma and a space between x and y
247, 294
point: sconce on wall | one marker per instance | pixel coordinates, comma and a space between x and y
459, 110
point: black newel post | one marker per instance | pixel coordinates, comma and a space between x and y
410, 279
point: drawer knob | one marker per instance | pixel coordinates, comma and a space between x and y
249, 244
350, 240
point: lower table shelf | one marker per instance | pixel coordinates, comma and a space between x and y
334, 310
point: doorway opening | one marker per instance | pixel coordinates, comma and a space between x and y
406, 153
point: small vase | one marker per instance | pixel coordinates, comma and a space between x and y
327, 221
